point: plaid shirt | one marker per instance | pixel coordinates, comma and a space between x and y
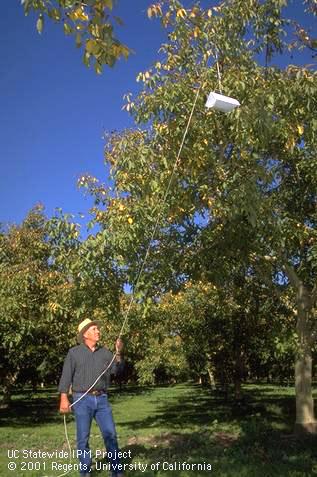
82, 366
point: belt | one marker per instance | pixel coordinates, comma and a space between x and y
95, 392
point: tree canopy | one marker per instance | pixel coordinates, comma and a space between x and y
90, 22
243, 201
49, 281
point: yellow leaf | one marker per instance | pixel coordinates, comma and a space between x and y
196, 32
79, 14
290, 144
209, 13
300, 129
84, 17
73, 15
154, 10
95, 30
181, 13
92, 47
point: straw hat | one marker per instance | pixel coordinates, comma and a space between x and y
83, 326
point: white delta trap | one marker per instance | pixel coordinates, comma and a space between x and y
221, 102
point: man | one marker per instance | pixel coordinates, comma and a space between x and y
82, 366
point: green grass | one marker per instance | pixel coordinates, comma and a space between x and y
182, 423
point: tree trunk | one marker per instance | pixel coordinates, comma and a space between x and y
305, 417
238, 369
211, 378
6, 398
210, 371
238, 377
7, 387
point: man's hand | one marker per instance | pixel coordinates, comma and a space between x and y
119, 346
64, 404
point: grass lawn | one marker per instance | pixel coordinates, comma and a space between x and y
179, 426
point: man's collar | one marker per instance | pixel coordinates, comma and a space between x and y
97, 346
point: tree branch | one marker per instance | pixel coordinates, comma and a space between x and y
314, 295
292, 275
265, 275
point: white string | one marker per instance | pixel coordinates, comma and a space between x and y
69, 449
176, 163
218, 72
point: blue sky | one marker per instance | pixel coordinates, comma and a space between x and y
54, 110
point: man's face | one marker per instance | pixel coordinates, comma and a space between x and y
92, 334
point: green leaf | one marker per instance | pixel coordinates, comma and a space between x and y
55, 14
86, 59
78, 40
118, 20
92, 47
67, 29
124, 51
98, 68
40, 24
26, 5
108, 4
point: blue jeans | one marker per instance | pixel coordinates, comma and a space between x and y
85, 410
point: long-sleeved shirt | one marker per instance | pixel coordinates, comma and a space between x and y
82, 366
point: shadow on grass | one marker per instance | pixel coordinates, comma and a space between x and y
203, 407
41, 407
201, 453
27, 411
246, 439
264, 446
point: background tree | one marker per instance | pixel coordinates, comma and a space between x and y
50, 278
27, 327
